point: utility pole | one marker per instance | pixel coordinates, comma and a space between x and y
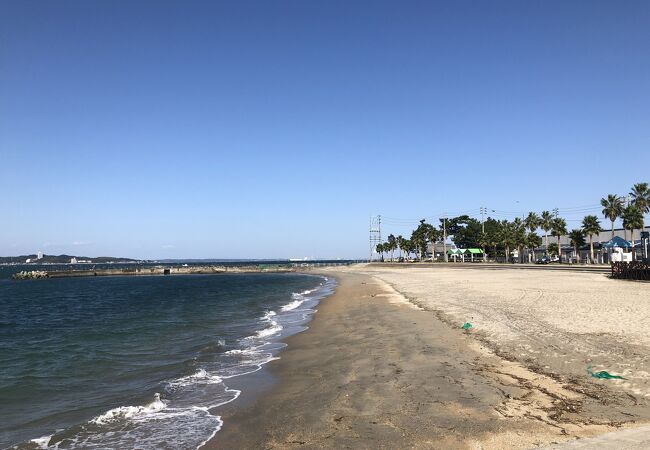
629, 203
483, 212
375, 234
444, 237
559, 242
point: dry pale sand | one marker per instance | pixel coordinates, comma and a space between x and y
558, 322
378, 369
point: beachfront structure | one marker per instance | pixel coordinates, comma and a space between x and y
602, 254
440, 249
461, 254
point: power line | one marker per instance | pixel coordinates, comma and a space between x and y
375, 234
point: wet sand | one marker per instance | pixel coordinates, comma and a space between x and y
376, 371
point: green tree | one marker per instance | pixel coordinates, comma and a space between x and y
552, 249
507, 236
492, 234
408, 247
531, 222
419, 237
399, 240
546, 224
612, 208
380, 251
641, 198
519, 237
533, 241
558, 229
391, 245
577, 238
591, 226
464, 230
432, 236
632, 219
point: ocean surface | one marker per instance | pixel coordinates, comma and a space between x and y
137, 362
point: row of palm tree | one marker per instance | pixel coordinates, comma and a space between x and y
522, 233
638, 204
422, 236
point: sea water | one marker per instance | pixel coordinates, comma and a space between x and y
137, 362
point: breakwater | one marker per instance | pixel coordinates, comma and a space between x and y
155, 270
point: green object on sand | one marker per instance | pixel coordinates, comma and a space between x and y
467, 326
603, 374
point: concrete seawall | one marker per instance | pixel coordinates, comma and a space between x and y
158, 270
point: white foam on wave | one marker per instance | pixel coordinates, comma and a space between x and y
291, 306
270, 331
298, 299
168, 428
201, 376
42, 442
129, 412
246, 351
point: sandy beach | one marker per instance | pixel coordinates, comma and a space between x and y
386, 364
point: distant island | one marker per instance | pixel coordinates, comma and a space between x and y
40, 258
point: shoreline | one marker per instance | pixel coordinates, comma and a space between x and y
375, 370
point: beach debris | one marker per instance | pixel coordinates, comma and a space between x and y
603, 375
467, 326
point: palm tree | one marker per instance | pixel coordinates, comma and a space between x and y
432, 235
577, 238
612, 208
519, 237
399, 240
408, 247
641, 198
419, 238
380, 251
632, 219
533, 241
484, 241
392, 245
532, 223
506, 236
558, 229
546, 224
591, 226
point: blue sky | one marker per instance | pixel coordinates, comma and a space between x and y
275, 129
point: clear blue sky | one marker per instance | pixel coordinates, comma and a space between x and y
276, 128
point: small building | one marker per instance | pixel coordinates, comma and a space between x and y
456, 253
475, 253
615, 248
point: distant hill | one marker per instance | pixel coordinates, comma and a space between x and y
62, 259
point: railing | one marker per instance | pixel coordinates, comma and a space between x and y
634, 270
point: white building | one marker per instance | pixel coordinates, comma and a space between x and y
73, 260
39, 255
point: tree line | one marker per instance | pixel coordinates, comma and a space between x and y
500, 237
